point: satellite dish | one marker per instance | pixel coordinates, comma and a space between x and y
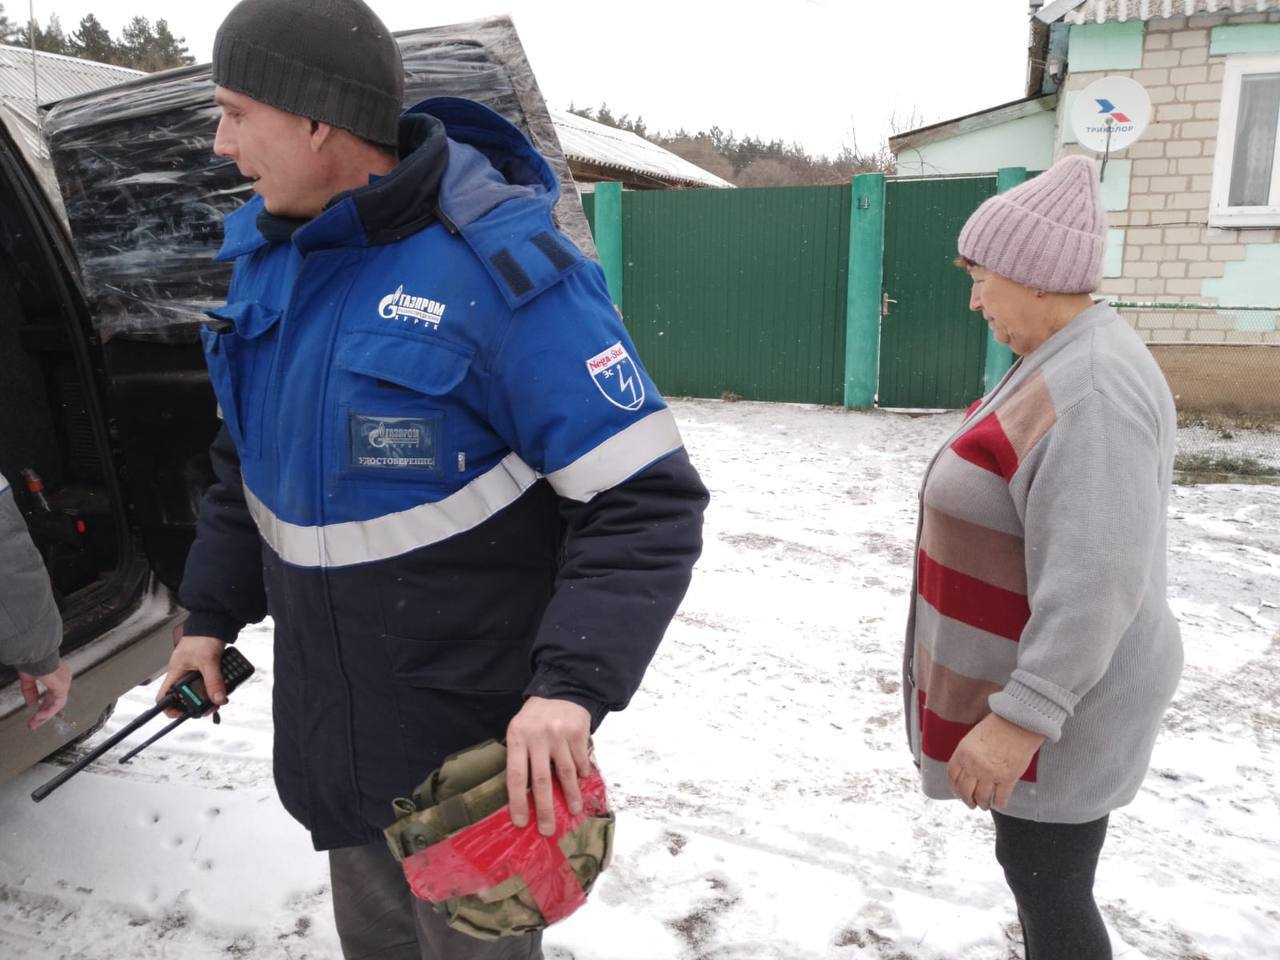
1110, 114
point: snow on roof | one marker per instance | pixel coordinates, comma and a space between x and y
590, 142
1101, 11
59, 77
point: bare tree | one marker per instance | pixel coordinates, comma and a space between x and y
752, 161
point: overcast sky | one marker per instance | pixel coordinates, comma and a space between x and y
812, 71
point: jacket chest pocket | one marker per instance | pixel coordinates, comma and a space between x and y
239, 347
393, 407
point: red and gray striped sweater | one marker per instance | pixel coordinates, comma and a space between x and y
1040, 588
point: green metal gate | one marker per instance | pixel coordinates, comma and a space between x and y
932, 347
739, 291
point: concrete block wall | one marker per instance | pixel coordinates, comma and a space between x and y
1169, 250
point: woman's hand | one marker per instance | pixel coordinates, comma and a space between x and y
990, 760
57, 687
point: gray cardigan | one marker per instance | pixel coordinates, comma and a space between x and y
1041, 588
30, 626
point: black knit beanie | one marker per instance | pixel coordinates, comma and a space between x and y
327, 60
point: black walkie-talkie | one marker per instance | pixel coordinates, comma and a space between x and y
191, 696
187, 694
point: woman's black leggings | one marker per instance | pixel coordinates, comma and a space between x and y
1050, 867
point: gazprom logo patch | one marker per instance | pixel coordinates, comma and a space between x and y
615, 374
383, 436
393, 442
405, 307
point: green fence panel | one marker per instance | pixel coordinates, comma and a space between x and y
739, 291
932, 346
589, 209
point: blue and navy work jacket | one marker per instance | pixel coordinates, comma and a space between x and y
443, 470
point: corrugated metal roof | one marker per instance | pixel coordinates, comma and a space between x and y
591, 142
59, 77
55, 78
1101, 11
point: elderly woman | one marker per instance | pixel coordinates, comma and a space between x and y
1041, 651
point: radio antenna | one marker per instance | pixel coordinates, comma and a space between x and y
35, 71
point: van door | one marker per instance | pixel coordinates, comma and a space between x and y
57, 445
55, 432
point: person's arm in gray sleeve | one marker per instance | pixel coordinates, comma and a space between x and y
30, 625
1094, 518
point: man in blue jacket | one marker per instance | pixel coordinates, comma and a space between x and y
442, 469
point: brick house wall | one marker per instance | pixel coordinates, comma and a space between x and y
1169, 249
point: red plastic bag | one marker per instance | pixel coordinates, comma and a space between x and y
492, 851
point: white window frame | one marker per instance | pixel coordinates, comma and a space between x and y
1220, 214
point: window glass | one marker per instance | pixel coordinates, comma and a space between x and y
1255, 148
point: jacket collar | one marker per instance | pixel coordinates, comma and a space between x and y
391, 207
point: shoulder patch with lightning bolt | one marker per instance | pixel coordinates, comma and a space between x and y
615, 375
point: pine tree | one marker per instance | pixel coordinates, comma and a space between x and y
55, 41
8, 29
92, 42
141, 45
136, 44
172, 51
51, 39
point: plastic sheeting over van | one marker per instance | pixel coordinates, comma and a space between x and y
145, 196
26, 78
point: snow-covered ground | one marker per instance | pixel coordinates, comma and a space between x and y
767, 805
1227, 441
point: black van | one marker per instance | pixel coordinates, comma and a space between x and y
104, 399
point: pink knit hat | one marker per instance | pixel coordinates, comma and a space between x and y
1048, 233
